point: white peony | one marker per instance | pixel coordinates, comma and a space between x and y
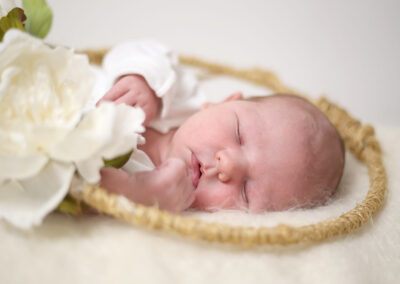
6, 6
43, 138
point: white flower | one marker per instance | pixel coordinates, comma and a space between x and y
6, 6
43, 139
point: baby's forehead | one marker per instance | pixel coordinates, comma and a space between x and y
283, 101
285, 110
284, 123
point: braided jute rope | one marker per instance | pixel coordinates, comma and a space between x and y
359, 139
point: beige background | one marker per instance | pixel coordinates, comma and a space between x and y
348, 50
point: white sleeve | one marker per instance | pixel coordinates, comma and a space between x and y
150, 59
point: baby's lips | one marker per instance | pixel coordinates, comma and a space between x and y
195, 170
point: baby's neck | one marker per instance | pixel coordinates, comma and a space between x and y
157, 145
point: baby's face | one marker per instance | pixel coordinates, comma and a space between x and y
247, 155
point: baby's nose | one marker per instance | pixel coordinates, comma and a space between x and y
229, 165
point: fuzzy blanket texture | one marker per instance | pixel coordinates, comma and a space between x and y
99, 249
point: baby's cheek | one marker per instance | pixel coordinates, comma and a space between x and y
291, 196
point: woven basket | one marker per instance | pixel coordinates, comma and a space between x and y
359, 139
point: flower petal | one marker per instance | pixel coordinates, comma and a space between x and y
90, 169
25, 203
126, 127
90, 135
21, 167
57, 82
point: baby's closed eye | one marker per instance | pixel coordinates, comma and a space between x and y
244, 192
237, 130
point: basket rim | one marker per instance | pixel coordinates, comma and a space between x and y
359, 139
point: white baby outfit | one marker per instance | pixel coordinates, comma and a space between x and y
177, 89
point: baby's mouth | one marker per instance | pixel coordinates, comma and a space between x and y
195, 164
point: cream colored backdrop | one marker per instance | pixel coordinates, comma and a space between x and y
348, 50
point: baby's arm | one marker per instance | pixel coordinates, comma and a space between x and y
167, 186
147, 69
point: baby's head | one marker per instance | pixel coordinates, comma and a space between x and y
269, 153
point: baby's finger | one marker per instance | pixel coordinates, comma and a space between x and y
128, 98
113, 179
174, 175
115, 92
167, 175
187, 197
172, 168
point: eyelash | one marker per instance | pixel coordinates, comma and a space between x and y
244, 193
239, 136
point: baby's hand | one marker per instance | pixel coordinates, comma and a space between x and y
167, 186
133, 90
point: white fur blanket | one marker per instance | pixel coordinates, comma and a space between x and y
99, 249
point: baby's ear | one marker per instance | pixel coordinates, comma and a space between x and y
205, 105
234, 96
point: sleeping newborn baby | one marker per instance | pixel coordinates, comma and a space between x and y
257, 154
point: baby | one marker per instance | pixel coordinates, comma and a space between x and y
259, 154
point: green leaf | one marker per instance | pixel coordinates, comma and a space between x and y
72, 206
14, 19
40, 17
17, 13
117, 162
